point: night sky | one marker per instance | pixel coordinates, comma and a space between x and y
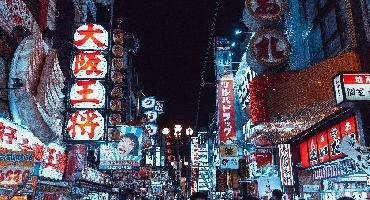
173, 38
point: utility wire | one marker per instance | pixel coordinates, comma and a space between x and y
206, 58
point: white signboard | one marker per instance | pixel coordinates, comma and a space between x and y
91, 37
311, 188
286, 164
352, 87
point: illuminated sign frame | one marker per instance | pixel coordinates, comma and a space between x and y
88, 85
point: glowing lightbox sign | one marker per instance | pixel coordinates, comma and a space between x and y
52, 158
86, 125
89, 64
54, 162
87, 94
286, 164
151, 129
352, 87
148, 102
91, 37
151, 115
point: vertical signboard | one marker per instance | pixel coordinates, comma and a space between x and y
223, 57
87, 91
286, 164
203, 168
226, 110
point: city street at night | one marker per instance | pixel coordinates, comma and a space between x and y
184, 99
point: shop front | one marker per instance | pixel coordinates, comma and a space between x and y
325, 172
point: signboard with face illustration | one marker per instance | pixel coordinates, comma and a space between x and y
124, 153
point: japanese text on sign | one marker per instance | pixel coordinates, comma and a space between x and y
286, 164
226, 110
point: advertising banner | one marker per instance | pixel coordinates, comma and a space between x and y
324, 146
226, 110
286, 169
123, 154
15, 167
352, 87
50, 160
263, 156
229, 163
87, 85
228, 151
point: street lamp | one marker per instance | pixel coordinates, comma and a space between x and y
165, 131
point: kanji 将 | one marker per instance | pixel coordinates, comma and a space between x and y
83, 120
89, 34
88, 62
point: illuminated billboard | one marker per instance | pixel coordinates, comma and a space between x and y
124, 153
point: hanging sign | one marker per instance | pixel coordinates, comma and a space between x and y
226, 110
352, 87
324, 146
91, 37
266, 10
88, 91
159, 107
148, 102
286, 164
15, 167
228, 151
85, 125
229, 163
270, 47
151, 128
151, 115
263, 156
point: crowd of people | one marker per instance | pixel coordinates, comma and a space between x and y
276, 195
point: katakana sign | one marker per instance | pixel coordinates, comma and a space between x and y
226, 110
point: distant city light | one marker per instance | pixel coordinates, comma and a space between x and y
165, 131
189, 131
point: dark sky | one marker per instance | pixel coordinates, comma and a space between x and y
173, 38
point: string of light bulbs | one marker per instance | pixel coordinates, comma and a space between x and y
206, 58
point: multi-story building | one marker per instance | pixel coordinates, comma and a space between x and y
293, 101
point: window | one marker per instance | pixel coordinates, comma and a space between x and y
328, 34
